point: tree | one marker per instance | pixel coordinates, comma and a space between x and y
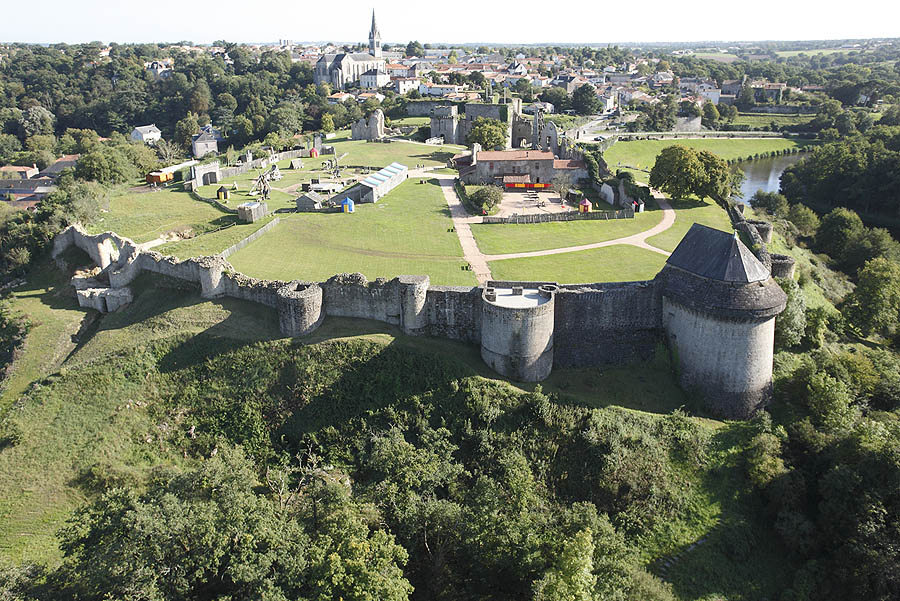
37, 120
327, 123
168, 152
208, 533
556, 96
487, 197
415, 49
839, 231
874, 306
678, 172
524, 89
710, 115
772, 203
9, 146
804, 218
185, 130
722, 182
561, 184
572, 577
107, 165
585, 101
285, 121
489, 133
790, 324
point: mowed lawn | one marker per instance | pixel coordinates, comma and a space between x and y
495, 239
688, 212
619, 263
642, 153
406, 233
144, 216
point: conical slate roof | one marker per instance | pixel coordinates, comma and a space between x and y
717, 255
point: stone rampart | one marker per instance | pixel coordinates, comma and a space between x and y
598, 324
720, 334
454, 312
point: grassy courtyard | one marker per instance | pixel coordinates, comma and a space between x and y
499, 239
406, 233
212, 243
642, 153
609, 264
144, 216
687, 213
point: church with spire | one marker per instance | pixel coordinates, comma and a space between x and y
346, 68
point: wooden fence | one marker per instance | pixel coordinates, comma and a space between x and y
566, 216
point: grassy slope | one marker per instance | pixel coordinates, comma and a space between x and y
49, 304
497, 239
92, 423
761, 119
609, 264
405, 233
145, 216
213, 242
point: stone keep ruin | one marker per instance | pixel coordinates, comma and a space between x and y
714, 305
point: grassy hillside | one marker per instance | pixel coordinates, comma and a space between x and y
134, 383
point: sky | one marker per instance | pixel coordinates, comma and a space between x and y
461, 21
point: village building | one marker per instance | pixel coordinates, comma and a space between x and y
516, 168
374, 79
20, 172
148, 134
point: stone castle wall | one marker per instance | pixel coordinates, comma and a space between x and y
598, 324
726, 357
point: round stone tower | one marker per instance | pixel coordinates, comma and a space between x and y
517, 331
719, 304
299, 307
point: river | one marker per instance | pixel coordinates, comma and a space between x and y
765, 174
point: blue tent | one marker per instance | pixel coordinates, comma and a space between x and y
347, 205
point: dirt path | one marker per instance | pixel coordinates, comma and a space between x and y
461, 220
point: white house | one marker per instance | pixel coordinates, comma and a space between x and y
405, 84
148, 134
430, 89
374, 79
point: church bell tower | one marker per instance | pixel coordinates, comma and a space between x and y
374, 39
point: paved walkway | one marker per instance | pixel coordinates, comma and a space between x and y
479, 261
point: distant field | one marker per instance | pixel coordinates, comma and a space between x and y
609, 264
716, 56
757, 120
643, 153
405, 233
788, 53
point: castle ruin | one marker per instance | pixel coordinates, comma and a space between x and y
714, 304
